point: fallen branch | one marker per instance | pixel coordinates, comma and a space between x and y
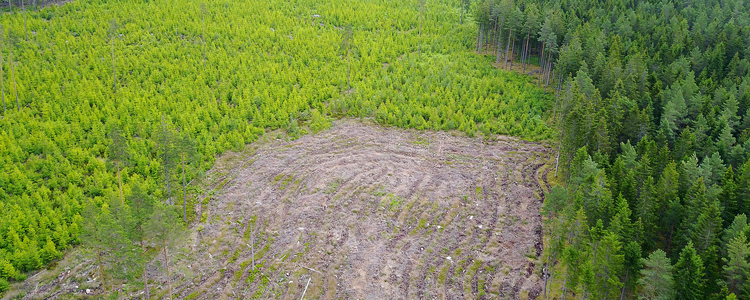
311, 269
305, 291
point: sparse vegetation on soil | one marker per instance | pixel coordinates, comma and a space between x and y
366, 212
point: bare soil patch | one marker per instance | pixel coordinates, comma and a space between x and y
359, 212
364, 212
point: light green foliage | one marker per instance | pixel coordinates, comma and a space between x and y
737, 268
268, 66
656, 277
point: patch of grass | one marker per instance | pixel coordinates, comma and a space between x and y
443, 275
278, 177
236, 254
420, 140
379, 192
286, 182
393, 202
223, 183
333, 186
421, 224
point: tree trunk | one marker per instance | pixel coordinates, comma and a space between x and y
348, 70
557, 96
119, 179
10, 5
184, 191
481, 40
2, 82
541, 65
252, 244
169, 279
203, 37
549, 68
494, 34
479, 36
15, 87
23, 6
462, 12
491, 36
145, 267
526, 51
419, 49
544, 74
145, 279
622, 293
507, 48
557, 158
512, 53
169, 188
546, 280
101, 268
166, 168
114, 72
496, 41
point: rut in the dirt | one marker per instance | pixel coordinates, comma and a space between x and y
370, 213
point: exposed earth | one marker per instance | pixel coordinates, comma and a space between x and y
366, 212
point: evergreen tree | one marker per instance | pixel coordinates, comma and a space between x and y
104, 235
141, 208
112, 34
689, 275
188, 155
743, 188
607, 262
346, 40
49, 251
737, 268
2, 63
119, 154
203, 28
728, 197
739, 227
708, 227
168, 154
656, 279
164, 230
632, 265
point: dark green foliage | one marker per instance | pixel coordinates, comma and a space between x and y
165, 231
689, 274
105, 232
658, 94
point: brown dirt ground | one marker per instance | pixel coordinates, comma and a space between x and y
365, 212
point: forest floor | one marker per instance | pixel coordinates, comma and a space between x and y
362, 212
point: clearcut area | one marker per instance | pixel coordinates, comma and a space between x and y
366, 212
